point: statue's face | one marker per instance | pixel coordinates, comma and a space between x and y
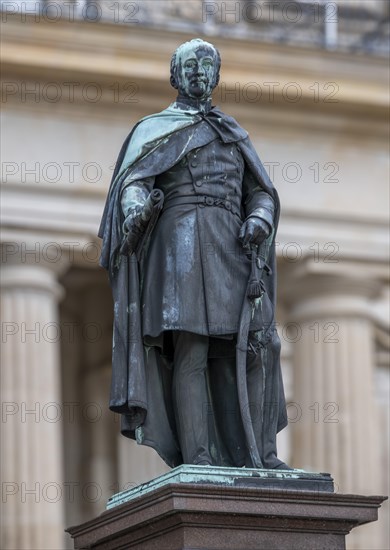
196, 72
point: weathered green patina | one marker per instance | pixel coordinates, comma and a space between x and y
230, 477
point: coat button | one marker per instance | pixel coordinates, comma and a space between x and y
198, 183
194, 164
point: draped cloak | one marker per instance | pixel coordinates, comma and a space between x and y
141, 376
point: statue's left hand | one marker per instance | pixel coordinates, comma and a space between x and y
253, 231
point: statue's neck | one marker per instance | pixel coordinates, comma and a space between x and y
203, 105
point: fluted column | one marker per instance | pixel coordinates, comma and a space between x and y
335, 425
33, 491
333, 381
102, 439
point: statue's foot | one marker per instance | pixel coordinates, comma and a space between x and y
203, 463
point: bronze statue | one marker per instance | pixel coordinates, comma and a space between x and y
188, 240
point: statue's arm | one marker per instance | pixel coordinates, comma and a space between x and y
257, 203
133, 199
259, 209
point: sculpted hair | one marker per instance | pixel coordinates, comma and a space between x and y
196, 42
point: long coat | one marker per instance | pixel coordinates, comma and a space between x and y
141, 377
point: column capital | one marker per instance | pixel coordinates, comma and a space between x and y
31, 271
317, 295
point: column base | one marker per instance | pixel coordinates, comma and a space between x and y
212, 508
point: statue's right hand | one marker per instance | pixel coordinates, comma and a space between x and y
132, 223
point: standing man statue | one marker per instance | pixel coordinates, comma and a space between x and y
188, 240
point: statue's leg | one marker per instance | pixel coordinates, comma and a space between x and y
190, 395
255, 382
226, 409
269, 376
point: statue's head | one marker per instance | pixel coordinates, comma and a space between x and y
195, 69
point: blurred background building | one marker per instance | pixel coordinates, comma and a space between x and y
309, 81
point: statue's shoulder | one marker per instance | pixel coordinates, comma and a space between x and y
150, 132
159, 125
149, 121
161, 117
153, 116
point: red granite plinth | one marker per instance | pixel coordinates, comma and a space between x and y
195, 516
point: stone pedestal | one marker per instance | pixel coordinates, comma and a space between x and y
228, 509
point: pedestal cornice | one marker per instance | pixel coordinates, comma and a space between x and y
197, 515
